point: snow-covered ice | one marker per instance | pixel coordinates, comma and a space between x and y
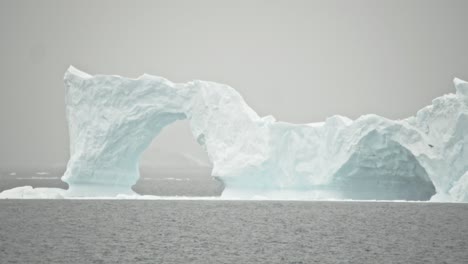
113, 119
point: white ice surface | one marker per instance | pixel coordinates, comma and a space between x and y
113, 119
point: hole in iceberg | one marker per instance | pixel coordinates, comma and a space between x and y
175, 164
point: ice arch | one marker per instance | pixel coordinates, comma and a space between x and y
112, 119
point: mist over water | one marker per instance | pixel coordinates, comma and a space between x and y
152, 181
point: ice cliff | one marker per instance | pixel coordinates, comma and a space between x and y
113, 119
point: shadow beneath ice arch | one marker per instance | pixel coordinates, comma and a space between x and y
382, 169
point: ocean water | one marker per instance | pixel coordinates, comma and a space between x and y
125, 231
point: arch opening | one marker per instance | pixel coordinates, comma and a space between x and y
174, 164
382, 169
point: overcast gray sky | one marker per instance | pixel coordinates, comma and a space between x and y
300, 61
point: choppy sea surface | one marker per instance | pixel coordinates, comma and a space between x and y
156, 231
214, 231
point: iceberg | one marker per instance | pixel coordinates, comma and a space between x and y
113, 119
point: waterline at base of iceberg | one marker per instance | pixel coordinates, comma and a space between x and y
28, 192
